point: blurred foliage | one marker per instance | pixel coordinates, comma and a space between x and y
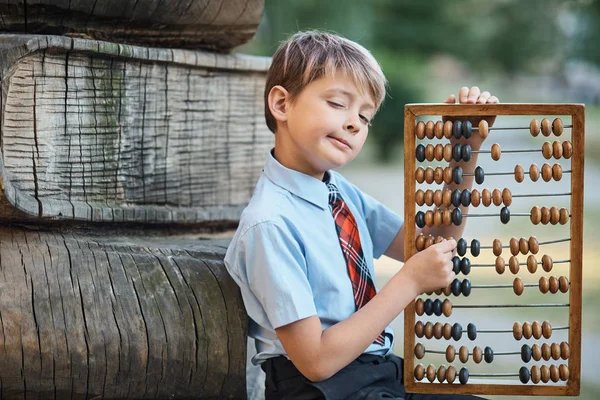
501, 36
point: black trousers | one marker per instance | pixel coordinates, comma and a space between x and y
369, 377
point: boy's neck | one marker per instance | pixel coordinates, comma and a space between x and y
286, 156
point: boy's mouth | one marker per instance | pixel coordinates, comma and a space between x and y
340, 140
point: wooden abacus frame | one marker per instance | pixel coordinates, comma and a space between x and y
577, 113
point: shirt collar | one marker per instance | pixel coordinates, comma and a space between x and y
298, 183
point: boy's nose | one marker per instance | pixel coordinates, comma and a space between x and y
351, 126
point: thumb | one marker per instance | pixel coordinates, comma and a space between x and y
447, 246
451, 99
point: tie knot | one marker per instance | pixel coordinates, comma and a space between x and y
334, 193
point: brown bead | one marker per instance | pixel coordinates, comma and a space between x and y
497, 247
447, 217
497, 197
448, 152
441, 374
534, 172
428, 198
554, 215
557, 127
546, 172
546, 127
420, 175
475, 198
448, 129
531, 264
438, 239
517, 331
536, 327
546, 329
500, 265
545, 372
429, 130
450, 374
547, 263
567, 149
428, 330
553, 284
564, 216
419, 351
483, 129
429, 152
518, 286
447, 197
463, 354
554, 375
506, 197
429, 175
438, 175
437, 330
546, 353
557, 172
486, 197
555, 351
536, 352
536, 215
477, 354
545, 215
419, 307
420, 130
514, 246
420, 242
448, 176
534, 127
420, 197
544, 285
447, 307
428, 241
438, 198
513, 265
535, 374
565, 350
437, 218
447, 330
496, 153
547, 150
563, 371
447, 291
419, 372
419, 329
527, 330
534, 246
450, 354
438, 292
438, 130
519, 173
523, 246
429, 218
557, 149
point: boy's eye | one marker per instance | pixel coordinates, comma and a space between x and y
333, 103
365, 119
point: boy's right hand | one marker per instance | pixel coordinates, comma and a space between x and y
431, 269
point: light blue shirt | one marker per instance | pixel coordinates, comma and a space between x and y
286, 257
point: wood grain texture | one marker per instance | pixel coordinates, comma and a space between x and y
96, 131
123, 317
209, 24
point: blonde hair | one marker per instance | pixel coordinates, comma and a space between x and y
311, 55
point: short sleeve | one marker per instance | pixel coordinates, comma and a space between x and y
383, 224
272, 264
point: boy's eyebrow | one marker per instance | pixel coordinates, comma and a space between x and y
350, 95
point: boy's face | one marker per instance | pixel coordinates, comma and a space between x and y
326, 127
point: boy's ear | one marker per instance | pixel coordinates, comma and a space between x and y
278, 100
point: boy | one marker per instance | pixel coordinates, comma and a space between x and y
303, 252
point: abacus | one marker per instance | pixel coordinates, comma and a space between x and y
506, 355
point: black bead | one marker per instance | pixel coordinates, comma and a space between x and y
465, 152
488, 354
456, 331
524, 374
475, 247
526, 353
457, 129
420, 219
456, 217
437, 307
457, 152
463, 376
465, 197
479, 175
465, 287
420, 153
457, 175
467, 129
456, 264
505, 215
455, 287
471, 331
456, 197
461, 247
428, 306
465, 266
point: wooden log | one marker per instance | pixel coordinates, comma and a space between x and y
123, 317
209, 24
98, 131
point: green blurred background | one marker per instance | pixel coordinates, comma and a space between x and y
536, 51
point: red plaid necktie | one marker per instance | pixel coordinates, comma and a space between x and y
362, 284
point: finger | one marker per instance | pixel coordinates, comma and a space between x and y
451, 99
483, 97
493, 100
446, 246
474, 95
463, 95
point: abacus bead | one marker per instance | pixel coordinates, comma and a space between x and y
420, 131
463, 376
497, 247
456, 265
437, 218
537, 330
472, 331
419, 307
437, 330
567, 149
506, 197
486, 197
524, 375
465, 197
519, 173
447, 129
456, 331
517, 331
438, 129
518, 286
557, 127
420, 219
463, 354
428, 330
547, 150
428, 197
420, 174
467, 129
479, 175
534, 246
555, 351
447, 331
545, 372
457, 175
455, 287
465, 268
483, 129
428, 307
534, 172
513, 265
448, 152
461, 247
547, 263
535, 374
563, 284
419, 329
563, 371
456, 197
531, 264
429, 130
447, 307
457, 129
546, 172
429, 152
544, 285
466, 152
419, 351
496, 152
419, 372
456, 216
554, 375
477, 354
527, 330
564, 216
420, 197
456, 152
438, 175
429, 175
451, 374
488, 354
553, 284
475, 248
534, 127
557, 172
565, 350
546, 353
420, 242
447, 217
447, 290
557, 149
447, 197
546, 127
500, 265
536, 215
437, 307
523, 246
545, 215
536, 352
465, 287
441, 374
525, 353
438, 198
428, 241
450, 354
505, 215
546, 329
554, 215
429, 218
496, 197
448, 175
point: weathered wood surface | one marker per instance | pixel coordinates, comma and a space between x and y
97, 131
209, 24
126, 317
